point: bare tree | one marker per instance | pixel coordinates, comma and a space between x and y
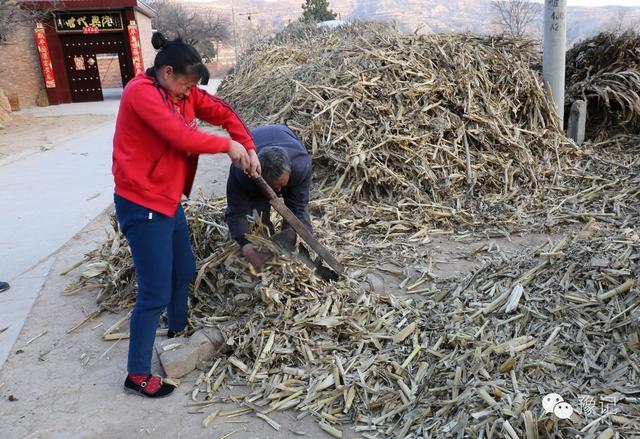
514, 17
7, 12
198, 27
13, 15
256, 31
619, 21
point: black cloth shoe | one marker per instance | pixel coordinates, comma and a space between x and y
141, 389
4, 286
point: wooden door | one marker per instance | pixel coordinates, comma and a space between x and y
80, 57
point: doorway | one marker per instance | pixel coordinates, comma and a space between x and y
83, 56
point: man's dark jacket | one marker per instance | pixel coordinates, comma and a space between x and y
244, 196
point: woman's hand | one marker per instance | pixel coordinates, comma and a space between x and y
239, 156
254, 164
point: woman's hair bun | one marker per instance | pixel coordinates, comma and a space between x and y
158, 41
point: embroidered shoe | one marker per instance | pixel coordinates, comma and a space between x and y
148, 385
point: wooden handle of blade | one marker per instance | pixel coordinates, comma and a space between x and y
265, 188
298, 226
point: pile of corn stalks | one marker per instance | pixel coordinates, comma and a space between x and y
464, 359
447, 129
604, 186
604, 71
469, 358
109, 268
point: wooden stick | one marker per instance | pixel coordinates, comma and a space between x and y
617, 290
74, 266
117, 324
297, 225
469, 171
36, 337
95, 313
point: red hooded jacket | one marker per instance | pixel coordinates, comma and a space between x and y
156, 143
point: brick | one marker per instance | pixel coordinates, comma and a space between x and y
208, 341
204, 346
22, 75
180, 361
109, 69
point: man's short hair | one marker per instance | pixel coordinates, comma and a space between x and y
274, 161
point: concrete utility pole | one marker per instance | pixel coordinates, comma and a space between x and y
577, 121
555, 43
235, 36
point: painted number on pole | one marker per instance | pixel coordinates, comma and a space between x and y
556, 16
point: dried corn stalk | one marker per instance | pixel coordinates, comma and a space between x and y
604, 71
397, 366
386, 115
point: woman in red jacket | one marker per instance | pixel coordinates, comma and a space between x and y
155, 155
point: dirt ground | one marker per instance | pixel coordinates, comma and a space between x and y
69, 385
57, 384
27, 135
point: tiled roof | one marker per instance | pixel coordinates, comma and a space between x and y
89, 4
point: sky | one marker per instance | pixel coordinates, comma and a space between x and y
569, 2
603, 2
582, 2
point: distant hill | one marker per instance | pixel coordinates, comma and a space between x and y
478, 16
267, 16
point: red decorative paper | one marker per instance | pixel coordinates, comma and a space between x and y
45, 57
134, 42
90, 30
79, 62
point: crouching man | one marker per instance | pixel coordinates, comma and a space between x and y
286, 167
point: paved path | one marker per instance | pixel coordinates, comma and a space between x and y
47, 198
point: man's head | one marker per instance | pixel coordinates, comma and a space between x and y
276, 167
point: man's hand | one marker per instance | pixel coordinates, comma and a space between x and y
238, 155
252, 255
254, 164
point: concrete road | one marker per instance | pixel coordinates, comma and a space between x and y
47, 198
